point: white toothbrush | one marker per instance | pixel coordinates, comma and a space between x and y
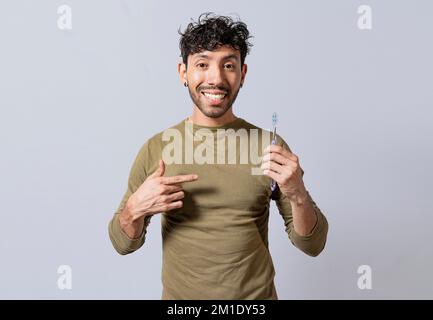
274, 141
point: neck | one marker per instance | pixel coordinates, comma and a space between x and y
199, 118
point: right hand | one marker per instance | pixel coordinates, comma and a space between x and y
158, 194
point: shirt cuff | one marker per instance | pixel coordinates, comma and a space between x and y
122, 240
314, 242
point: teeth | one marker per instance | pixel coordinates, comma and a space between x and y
214, 96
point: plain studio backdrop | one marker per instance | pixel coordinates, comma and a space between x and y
354, 104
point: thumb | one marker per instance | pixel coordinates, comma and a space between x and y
159, 172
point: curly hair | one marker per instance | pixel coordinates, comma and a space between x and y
211, 32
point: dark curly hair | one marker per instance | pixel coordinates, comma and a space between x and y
210, 32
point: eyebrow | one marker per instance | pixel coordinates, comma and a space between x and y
230, 56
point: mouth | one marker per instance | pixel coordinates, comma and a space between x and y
214, 98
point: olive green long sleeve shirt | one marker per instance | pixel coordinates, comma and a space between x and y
216, 245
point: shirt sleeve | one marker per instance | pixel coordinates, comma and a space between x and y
121, 242
314, 242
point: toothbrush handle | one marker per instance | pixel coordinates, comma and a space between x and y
273, 183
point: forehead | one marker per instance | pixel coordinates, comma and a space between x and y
222, 52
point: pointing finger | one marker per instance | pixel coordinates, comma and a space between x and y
179, 179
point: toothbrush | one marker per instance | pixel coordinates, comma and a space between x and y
274, 141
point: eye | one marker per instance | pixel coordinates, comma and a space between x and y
201, 65
229, 66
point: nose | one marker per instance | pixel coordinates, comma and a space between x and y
215, 76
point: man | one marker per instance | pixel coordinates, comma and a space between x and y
215, 213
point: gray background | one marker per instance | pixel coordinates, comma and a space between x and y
355, 106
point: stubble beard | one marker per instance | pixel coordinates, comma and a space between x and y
209, 110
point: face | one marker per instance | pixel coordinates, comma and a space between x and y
214, 79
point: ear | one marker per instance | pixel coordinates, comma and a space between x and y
181, 69
244, 73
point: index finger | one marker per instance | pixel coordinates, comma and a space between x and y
179, 178
275, 148
281, 150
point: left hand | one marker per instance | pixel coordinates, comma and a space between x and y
283, 166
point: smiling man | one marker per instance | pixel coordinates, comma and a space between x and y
215, 214
212, 97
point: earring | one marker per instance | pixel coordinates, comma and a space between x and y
185, 84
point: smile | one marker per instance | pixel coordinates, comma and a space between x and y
214, 99
214, 96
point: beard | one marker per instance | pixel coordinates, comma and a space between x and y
213, 111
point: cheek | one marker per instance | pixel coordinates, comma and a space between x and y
234, 80
196, 78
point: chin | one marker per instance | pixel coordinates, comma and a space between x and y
214, 111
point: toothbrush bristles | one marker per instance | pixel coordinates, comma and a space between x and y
274, 119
